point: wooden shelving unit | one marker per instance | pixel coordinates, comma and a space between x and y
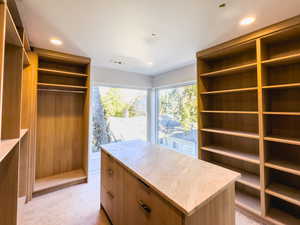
62, 141
249, 118
14, 132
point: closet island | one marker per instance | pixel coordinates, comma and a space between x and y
143, 183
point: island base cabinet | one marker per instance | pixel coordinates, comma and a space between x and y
219, 211
128, 200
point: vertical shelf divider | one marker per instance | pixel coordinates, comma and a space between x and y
260, 80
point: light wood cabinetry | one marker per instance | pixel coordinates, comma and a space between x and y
129, 196
15, 114
249, 118
63, 84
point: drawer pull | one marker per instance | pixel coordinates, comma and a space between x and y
110, 172
143, 206
110, 195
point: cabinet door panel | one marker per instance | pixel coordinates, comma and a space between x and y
107, 201
118, 191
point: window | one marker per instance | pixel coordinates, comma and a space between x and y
177, 119
119, 114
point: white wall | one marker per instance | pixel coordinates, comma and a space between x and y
113, 77
183, 75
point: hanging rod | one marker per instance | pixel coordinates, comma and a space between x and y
62, 91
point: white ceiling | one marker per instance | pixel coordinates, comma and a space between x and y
108, 30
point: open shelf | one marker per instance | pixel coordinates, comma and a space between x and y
283, 113
6, 146
232, 70
284, 192
248, 179
248, 202
252, 158
47, 183
283, 165
281, 218
233, 133
61, 86
229, 112
279, 139
229, 91
280, 86
282, 60
62, 73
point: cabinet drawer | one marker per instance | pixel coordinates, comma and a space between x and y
107, 199
107, 171
146, 206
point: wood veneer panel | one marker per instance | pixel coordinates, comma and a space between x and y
9, 188
60, 128
23, 166
12, 92
2, 55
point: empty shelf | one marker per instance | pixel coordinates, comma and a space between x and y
280, 217
232, 70
284, 192
62, 73
282, 60
233, 133
47, 183
291, 141
283, 113
285, 166
248, 179
61, 86
252, 158
6, 146
229, 112
281, 86
229, 91
248, 202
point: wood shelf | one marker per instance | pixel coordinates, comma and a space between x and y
280, 217
232, 70
282, 60
283, 113
48, 183
232, 133
229, 112
6, 146
229, 91
62, 73
12, 35
284, 140
281, 86
61, 86
248, 179
251, 158
284, 192
284, 166
248, 202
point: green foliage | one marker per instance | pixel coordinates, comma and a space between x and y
181, 104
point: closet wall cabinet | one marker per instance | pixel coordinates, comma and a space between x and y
62, 120
249, 118
15, 114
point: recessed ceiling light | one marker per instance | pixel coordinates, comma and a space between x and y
222, 5
56, 41
247, 21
